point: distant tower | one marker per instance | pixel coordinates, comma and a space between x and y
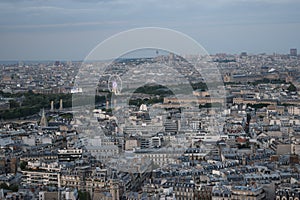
52, 106
60, 104
293, 52
44, 121
114, 187
244, 54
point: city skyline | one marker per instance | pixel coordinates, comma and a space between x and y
152, 139
69, 30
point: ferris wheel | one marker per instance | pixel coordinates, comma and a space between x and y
115, 84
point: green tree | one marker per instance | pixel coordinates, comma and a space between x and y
13, 104
83, 195
23, 165
14, 188
4, 186
292, 88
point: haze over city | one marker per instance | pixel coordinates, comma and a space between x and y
69, 30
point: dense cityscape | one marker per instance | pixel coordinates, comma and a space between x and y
237, 139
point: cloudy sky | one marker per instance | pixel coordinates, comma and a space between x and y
70, 29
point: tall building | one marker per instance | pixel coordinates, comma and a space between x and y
244, 54
293, 52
